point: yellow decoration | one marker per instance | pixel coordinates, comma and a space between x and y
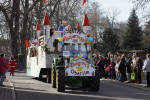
81, 54
79, 68
60, 39
87, 41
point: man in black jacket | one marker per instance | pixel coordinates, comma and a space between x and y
122, 68
139, 70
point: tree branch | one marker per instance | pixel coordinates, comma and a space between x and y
5, 14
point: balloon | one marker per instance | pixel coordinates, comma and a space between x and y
88, 34
60, 39
80, 56
76, 57
84, 56
71, 58
62, 42
90, 39
87, 41
64, 38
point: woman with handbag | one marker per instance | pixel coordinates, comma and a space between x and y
134, 67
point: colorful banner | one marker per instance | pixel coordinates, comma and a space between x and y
75, 37
79, 67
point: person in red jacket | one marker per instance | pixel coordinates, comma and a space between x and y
12, 64
3, 69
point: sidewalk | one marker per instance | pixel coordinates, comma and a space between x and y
7, 92
141, 86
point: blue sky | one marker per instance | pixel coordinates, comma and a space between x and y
124, 6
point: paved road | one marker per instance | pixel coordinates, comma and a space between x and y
28, 88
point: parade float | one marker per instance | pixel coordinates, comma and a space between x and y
65, 56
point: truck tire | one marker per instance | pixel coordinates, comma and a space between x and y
61, 80
54, 78
95, 81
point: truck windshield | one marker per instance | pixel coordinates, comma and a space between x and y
74, 49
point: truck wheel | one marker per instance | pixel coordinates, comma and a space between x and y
95, 81
61, 80
54, 78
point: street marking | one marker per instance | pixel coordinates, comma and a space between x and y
13, 89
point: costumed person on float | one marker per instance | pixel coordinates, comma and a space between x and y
67, 28
62, 26
12, 64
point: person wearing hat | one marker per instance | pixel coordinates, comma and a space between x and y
128, 66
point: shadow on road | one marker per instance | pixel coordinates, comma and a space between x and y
29, 88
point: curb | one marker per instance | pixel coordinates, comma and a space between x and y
13, 89
140, 86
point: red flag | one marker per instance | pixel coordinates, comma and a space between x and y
84, 2
27, 43
44, 1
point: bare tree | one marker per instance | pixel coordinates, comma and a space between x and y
141, 3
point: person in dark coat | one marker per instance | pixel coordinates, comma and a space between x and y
139, 70
122, 68
128, 66
20, 61
107, 63
101, 64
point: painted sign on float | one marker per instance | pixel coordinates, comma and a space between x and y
79, 67
75, 37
